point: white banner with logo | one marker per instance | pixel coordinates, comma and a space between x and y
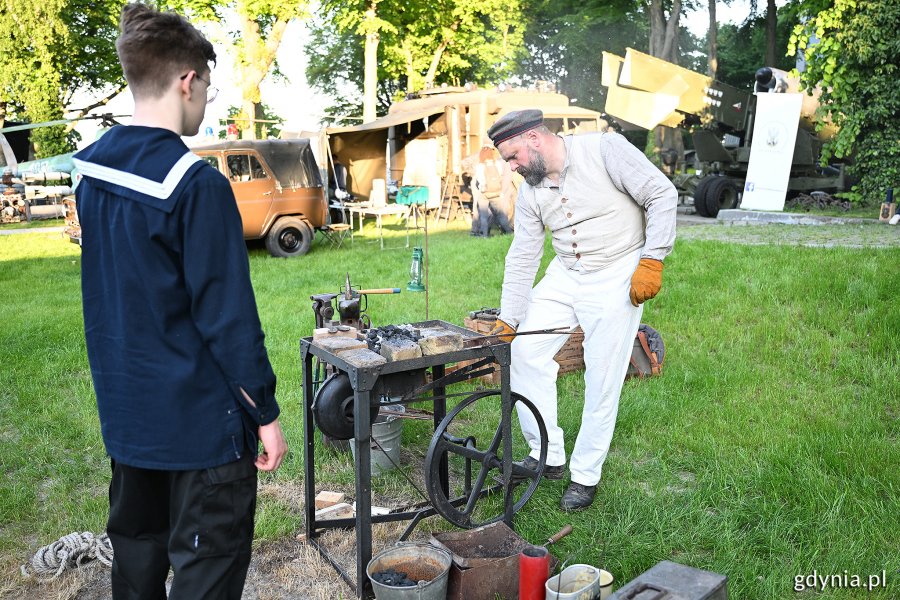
771, 151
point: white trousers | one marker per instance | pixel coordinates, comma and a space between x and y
599, 303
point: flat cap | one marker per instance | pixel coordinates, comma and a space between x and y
512, 124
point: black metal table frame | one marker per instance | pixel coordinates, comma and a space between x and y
363, 381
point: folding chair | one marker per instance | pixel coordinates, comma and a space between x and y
337, 227
335, 233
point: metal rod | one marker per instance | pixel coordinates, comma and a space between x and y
440, 411
553, 331
309, 438
362, 433
412, 525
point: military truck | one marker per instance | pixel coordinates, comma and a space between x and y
647, 91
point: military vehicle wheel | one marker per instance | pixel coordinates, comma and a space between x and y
289, 237
721, 194
700, 195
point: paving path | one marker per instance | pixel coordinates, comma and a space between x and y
792, 230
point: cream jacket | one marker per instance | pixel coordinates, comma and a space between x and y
610, 201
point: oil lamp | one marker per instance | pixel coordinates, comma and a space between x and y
415, 272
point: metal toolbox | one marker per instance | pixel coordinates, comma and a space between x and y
667, 580
485, 561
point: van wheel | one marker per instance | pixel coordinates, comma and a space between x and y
289, 236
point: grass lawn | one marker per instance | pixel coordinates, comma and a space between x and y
34, 224
769, 449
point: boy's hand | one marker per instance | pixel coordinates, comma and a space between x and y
274, 447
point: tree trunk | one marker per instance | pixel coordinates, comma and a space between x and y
370, 65
657, 27
771, 23
412, 84
436, 57
713, 60
670, 42
245, 119
664, 45
254, 64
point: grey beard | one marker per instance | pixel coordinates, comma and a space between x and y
536, 170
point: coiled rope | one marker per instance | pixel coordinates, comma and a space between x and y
69, 552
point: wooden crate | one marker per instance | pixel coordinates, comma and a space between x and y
570, 357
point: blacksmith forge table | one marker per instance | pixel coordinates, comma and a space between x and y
366, 394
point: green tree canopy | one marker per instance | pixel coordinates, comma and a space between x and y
421, 43
742, 48
49, 50
259, 27
565, 40
852, 53
335, 67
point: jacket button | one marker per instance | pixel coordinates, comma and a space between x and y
569, 215
574, 245
564, 200
578, 255
574, 231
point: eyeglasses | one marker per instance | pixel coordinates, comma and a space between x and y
211, 90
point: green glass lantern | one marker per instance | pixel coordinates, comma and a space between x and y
415, 272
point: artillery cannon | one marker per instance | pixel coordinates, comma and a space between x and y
647, 91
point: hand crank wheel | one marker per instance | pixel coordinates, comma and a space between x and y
465, 458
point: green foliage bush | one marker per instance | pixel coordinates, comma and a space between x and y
853, 54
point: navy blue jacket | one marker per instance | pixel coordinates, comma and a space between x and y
170, 317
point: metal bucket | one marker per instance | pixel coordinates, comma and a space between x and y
386, 430
426, 564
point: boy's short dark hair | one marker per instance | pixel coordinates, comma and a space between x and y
156, 46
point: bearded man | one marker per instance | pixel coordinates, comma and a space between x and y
611, 214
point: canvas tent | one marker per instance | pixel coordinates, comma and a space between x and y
423, 140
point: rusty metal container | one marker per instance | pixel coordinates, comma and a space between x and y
485, 561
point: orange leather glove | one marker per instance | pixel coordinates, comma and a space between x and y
504, 331
646, 281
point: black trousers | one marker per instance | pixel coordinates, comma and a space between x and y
489, 212
198, 522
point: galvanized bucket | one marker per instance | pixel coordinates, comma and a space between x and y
386, 430
424, 563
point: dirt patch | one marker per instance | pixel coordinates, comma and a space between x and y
279, 570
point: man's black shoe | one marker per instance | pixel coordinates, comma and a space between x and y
577, 496
531, 464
